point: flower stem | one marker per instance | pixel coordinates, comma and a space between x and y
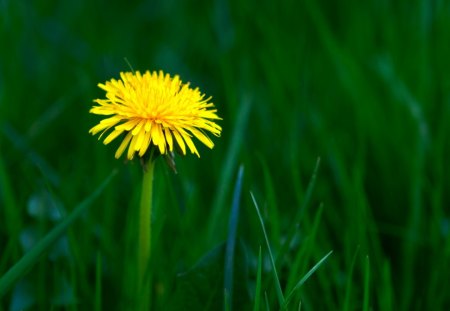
144, 250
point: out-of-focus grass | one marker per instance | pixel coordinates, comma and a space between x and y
364, 86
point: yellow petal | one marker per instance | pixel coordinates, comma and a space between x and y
202, 137
189, 142
162, 142
123, 145
127, 126
138, 127
169, 138
131, 148
113, 135
139, 141
148, 125
179, 141
155, 134
145, 144
104, 124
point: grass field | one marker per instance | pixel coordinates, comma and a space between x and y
335, 131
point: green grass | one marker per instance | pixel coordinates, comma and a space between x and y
362, 86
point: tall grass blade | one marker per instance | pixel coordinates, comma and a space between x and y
309, 190
29, 259
303, 280
11, 215
98, 283
231, 242
267, 301
257, 304
301, 211
300, 264
272, 261
270, 197
228, 167
226, 301
350, 283
366, 285
21, 144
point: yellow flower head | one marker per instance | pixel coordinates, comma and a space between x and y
154, 109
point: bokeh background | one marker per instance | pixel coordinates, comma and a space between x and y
360, 87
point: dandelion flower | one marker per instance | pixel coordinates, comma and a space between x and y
154, 110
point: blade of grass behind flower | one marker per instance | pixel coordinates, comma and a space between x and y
366, 285
350, 283
231, 241
226, 301
303, 280
230, 163
386, 299
299, 266
270, 196
98, 283
29, 259
272, 261
300, 212
11, 212
266, 299
257, 304
21, 144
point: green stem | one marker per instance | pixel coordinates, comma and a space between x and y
144, 251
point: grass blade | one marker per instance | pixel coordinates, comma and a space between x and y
301, 211
300, 264
98, 283
226, 301
29, 259
272, 261
267, 301
231, 241
366, 285
350, 283
303, 280
12, 215
229, 165
258, 283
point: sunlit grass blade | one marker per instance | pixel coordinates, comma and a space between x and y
29, 259
231, 242
366, 298
272, 261
257, 303
303, 280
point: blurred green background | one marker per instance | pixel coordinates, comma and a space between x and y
362, 85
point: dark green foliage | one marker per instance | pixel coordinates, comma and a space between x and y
362, 85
